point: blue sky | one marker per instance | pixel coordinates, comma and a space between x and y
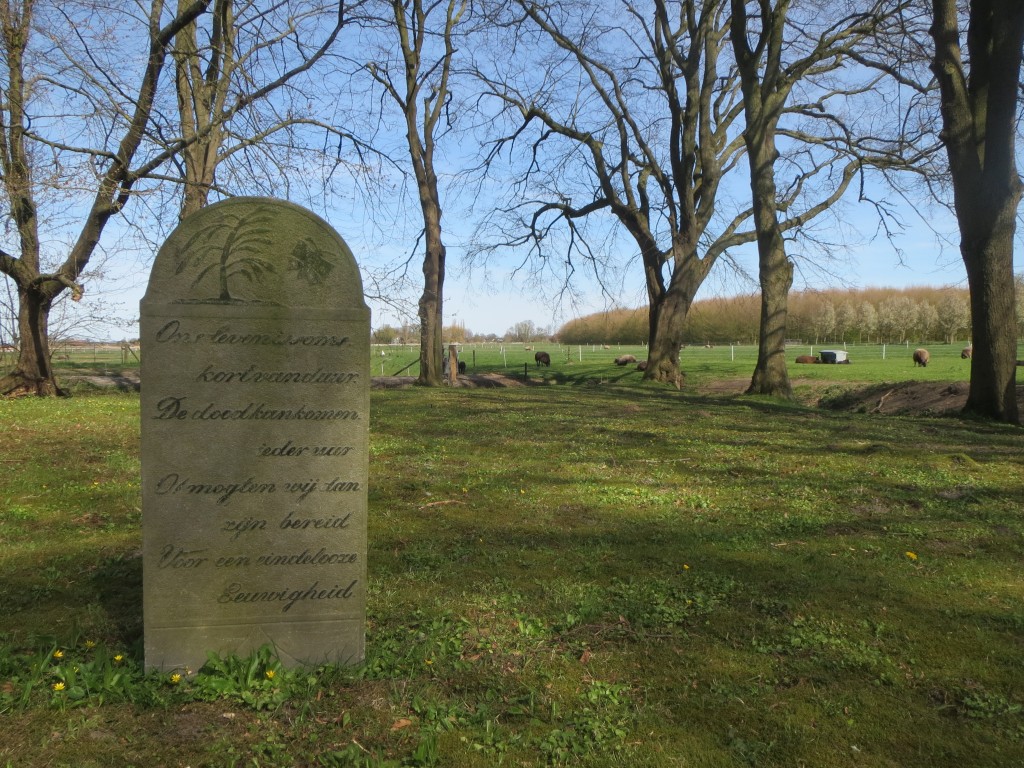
924, 254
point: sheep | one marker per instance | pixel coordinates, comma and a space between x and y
625, 360
542, 358
808, 359
967, 353
642, 365
921, 358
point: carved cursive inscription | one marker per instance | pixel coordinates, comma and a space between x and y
174, 408
235, 593
173, 333
252, 375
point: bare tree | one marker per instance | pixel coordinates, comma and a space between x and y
628, 114
240, 100
44, 151
418, 80
780, 45
979, 123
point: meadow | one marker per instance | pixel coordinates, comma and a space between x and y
589, 364
593, 573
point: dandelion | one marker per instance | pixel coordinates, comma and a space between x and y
58, 654
686, 567
175, 678
90, 644
270, 674
911, 555
58, 686
119, 658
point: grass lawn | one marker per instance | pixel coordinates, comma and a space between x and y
601, 574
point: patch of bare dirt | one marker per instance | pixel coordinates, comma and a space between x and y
910, 398
913, 398
476, 380
126, 380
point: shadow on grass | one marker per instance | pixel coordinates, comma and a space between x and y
118, 585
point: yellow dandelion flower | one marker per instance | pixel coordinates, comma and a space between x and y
58, 686
58, 654
686, 567
175, 678
90, 643
119, 658
911, 555
270, 674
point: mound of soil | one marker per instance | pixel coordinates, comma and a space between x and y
909, 398
913, 398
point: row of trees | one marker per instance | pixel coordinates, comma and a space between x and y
523, 331
673, 130
872, 316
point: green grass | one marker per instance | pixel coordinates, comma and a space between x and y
870, 363
588, 364
593, 575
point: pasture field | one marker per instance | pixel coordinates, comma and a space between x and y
592, 575
574, 364
870, 363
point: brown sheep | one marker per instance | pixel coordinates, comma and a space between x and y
967, 353
642, 365
921, 357
542, 358
625, 360
808, 359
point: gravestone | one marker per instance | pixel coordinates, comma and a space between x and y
255, 413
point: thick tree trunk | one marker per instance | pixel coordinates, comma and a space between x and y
431, 310
666, 317
33, 374
979, 123
200, 164
775, 272
988, 256
771, 376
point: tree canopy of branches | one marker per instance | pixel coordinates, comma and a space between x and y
69, 123
242, 108
645, 117
235, 70
630, 114
774, 54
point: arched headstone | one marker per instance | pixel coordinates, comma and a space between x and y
255, 413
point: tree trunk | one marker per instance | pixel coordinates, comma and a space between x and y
775, 272
771, 376
979, 123
666, 316
431, 307
988, 256
33, 374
